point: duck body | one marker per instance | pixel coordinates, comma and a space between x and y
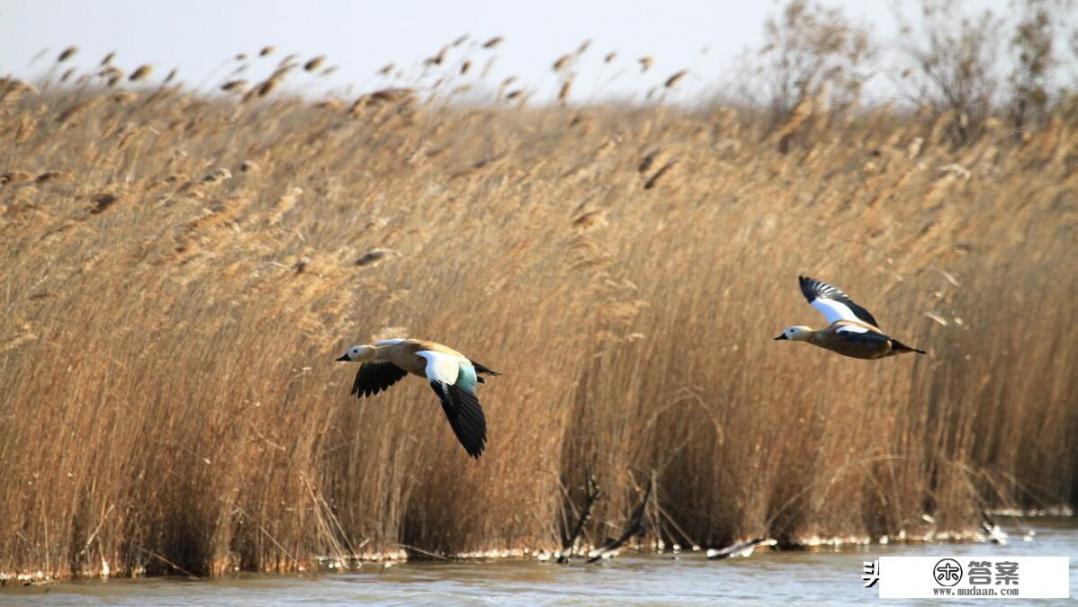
452, 376
858, 340
404, 353
852, 331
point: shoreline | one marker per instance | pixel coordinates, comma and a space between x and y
352, 563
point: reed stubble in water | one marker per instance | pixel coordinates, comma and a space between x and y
170, 401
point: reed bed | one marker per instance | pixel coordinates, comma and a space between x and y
180, 269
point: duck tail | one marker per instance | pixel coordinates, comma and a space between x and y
898, 346
481, 368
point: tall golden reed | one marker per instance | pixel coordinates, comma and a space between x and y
170, 400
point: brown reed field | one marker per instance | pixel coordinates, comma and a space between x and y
180, 270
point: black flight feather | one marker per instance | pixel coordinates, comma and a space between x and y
814, 289
372, 378
465, 416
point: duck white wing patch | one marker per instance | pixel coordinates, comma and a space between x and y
852, 329
441, 367
834, 310
832, 302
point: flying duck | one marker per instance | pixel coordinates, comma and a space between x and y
451, 374
852, 330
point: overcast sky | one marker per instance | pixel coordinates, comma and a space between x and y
201, 36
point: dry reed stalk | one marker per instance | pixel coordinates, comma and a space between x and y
265, 88
51, 176
141, 73
566, 88
66, 54
11, 90
437, 58
675, 78
111, 74
663, 170
15, 177
243, 448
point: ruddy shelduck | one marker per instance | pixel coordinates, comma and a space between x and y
852, 331
451, 374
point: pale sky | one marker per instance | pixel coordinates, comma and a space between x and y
201, 36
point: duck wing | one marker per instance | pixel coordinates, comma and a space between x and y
453, 379
833, 303
860, 342
372, 378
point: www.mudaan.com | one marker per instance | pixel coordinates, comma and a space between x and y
976, 591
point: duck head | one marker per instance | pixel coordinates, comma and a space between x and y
357, 353
796, 333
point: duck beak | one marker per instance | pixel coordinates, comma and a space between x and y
343, 358
781, 336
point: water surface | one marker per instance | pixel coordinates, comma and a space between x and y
822, 577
